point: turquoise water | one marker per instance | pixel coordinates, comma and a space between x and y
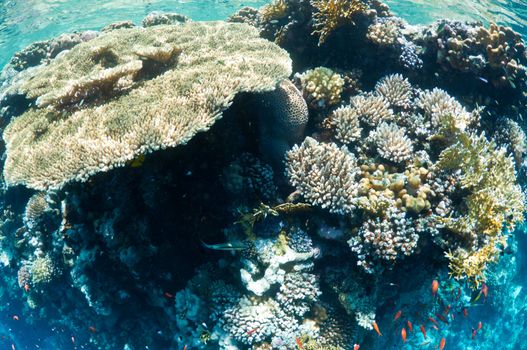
187, 248
25, 21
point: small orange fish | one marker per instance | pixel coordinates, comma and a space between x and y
452, 316
465, 312
410, 327
403, 334
185, 347
252, 331
442, 318
397, 315
299, 343
485, 291
356, 347
474, 332
73, 339
433, 321
168, 295
376, 327
480, 325
435, 287
442, 344
92, 329
447, 310
15, 317
26, 287
435, 327
423, 330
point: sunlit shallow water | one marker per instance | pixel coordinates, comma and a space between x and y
25, 21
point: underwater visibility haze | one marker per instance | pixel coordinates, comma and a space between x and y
263, 175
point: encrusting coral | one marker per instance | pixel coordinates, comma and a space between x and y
88, 132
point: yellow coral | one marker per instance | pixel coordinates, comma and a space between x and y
276, 10
322, 87
489, 174
472, 265
331, 14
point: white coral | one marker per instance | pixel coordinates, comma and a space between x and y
324, 174
392, 143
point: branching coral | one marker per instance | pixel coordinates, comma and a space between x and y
386, 238
324, 174
331, 14
488, 173
440, 109
322, 87
48, 148
473, 265
396, 89
392, 143
372, 109
346, 123
276, 10
511, 135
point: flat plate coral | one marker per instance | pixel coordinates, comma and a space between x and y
130, 92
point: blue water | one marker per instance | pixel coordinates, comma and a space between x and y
23, 22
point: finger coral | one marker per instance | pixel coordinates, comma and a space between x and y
166, 83
324, 174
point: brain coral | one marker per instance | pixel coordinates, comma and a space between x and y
133, 91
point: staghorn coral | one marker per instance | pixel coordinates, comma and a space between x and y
396, 89
392, 143
329, 15
48, 148
345, 120
321, 87
324, 174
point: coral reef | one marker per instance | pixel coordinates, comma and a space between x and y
107, 66
314, 213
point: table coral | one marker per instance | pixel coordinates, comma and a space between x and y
100, 133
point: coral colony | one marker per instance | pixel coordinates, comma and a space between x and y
310, 175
